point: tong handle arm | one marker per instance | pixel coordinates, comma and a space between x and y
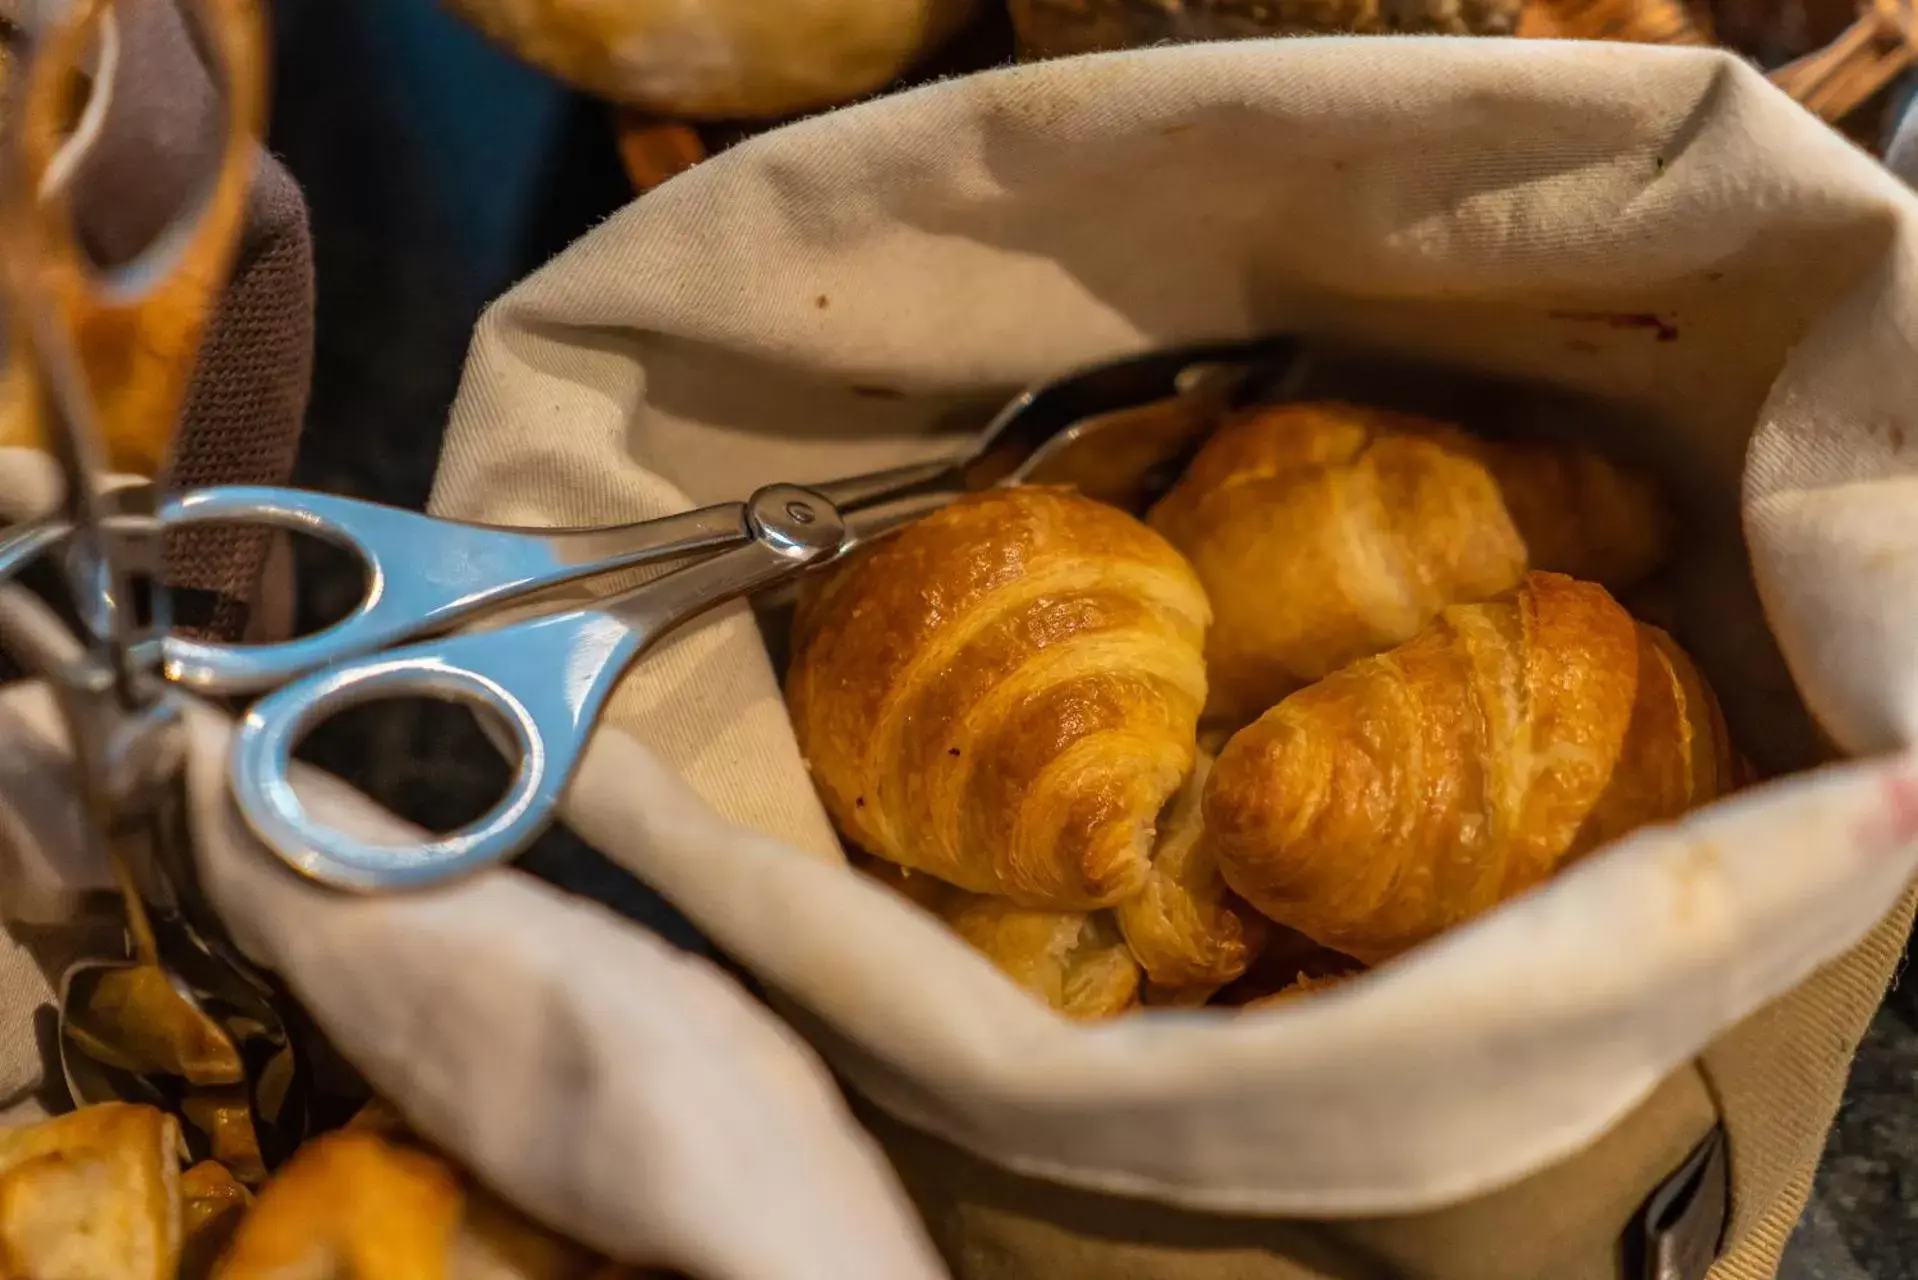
544, 682
424, 575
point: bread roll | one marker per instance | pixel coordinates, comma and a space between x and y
720, 59
1411, 791
1004, 695
1328, 532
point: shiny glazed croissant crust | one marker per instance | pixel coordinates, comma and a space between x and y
1004, 695
1411, 791
1327, 532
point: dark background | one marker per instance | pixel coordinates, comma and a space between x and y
439, 172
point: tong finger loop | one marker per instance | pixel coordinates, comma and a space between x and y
262, 769
424, 575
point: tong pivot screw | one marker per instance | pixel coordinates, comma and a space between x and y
797, 522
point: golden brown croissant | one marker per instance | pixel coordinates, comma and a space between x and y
1329, 532
1305, 984
1073, 960
1410, 791
95, 1192
1186, 928
1005, 694
350, 1203
494, 1241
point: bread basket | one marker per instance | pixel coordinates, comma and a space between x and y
1655, 231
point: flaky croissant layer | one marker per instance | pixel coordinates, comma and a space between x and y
1408, 792
1185, 927
1328, 532
1005, 694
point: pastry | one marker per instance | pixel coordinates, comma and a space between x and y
1073, 960
1630, 21
1288, 959
1327, 532
1004, 695
1189, 932
353, 1194
720, 59
99, 1193
1305, 985
350, 1203
95, 1192
1409, 792
1055, 28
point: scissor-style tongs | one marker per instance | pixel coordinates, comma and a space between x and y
103, 357
98, 353
1111, 430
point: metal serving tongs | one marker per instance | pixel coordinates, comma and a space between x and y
104, 355
1116, 431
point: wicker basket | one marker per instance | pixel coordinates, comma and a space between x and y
1860, 68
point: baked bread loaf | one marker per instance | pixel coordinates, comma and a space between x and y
720, 59
1327, 532
1004, 695
1191, 934
1411, 791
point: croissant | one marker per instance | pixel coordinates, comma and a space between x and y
1305, 985
1075, 961
1411, 791
1005, 694
1185, 927
92, 1192
1328, 532
349, 1202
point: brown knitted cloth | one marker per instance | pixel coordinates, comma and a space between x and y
249, 391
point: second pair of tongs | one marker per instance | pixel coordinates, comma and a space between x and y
1112, 431
101, 359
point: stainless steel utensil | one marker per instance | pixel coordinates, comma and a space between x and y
104, 358
1112, 429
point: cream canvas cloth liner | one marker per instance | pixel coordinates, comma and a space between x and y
1658, 228
622, 1091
